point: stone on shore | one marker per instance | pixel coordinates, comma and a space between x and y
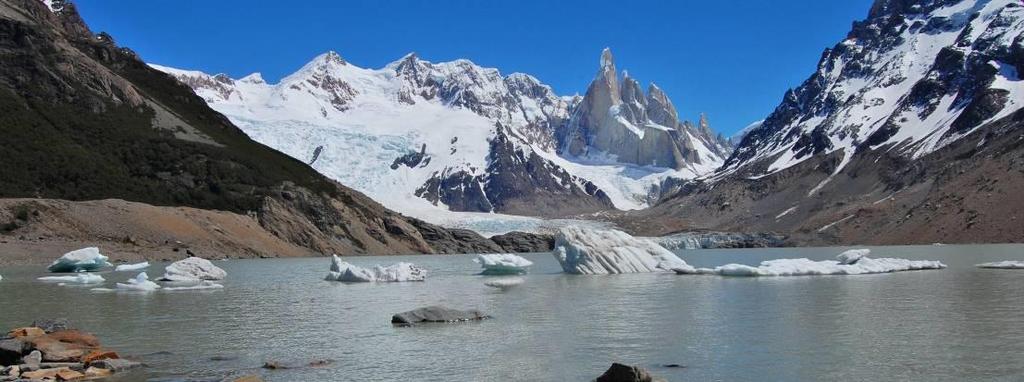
12, 349
433, 314
116, 364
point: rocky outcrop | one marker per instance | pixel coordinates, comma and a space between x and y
31, 353
522, 242
623, 373
616, 118
517, 181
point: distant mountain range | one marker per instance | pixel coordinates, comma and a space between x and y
421, 136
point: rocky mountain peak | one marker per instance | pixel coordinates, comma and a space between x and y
660, 108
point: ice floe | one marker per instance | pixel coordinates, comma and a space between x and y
595, 251
345, 272
504, 283
78, 278
503, 264
139, 283
204, 285
193, 269
853, 262
85, 259
1010, 264
132, 267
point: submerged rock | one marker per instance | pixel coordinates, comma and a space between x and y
436, 314
82, 260
193, 269
594, 251
1002, 265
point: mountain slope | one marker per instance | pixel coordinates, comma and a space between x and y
425, 138
908, 133
85, 119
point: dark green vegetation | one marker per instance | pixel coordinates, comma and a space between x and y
62, 141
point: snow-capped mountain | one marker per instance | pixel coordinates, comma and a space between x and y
419, 136
913, 77
615, 117
908, 132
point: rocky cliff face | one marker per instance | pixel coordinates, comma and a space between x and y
908, 132
616, 118
85, 119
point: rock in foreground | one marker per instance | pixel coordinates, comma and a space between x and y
32, 353
400, 272
598, 252
503, 264
82, 260
433, 314
622, 373
193, 269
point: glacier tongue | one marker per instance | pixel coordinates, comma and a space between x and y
597, 252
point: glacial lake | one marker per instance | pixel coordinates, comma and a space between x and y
960, 323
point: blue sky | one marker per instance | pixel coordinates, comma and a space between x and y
730, 59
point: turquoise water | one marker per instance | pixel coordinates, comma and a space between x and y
956, 324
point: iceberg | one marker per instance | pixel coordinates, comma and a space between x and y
140, 283
193, 269
504, 283
132, 267
204, 285
345, 272
81, 260
503, 264
1002, 265
587, 251
853, 262
79, 278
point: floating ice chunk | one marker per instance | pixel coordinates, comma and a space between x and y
851, 256
81, 260
504, 283
204, 285
193, 269
593, 251
132, 267
79, 278
503, 264
1002, 265
345, 272
140, 283
861, 265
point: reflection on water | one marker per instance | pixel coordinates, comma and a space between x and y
961, 323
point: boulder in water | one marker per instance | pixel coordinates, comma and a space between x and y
432, 314
623, 373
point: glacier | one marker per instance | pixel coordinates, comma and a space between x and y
503, 264
78, 278
132, 267
193, 269
853, 262
139, 283
81, 260
344, 272
1009, 264
597, 252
